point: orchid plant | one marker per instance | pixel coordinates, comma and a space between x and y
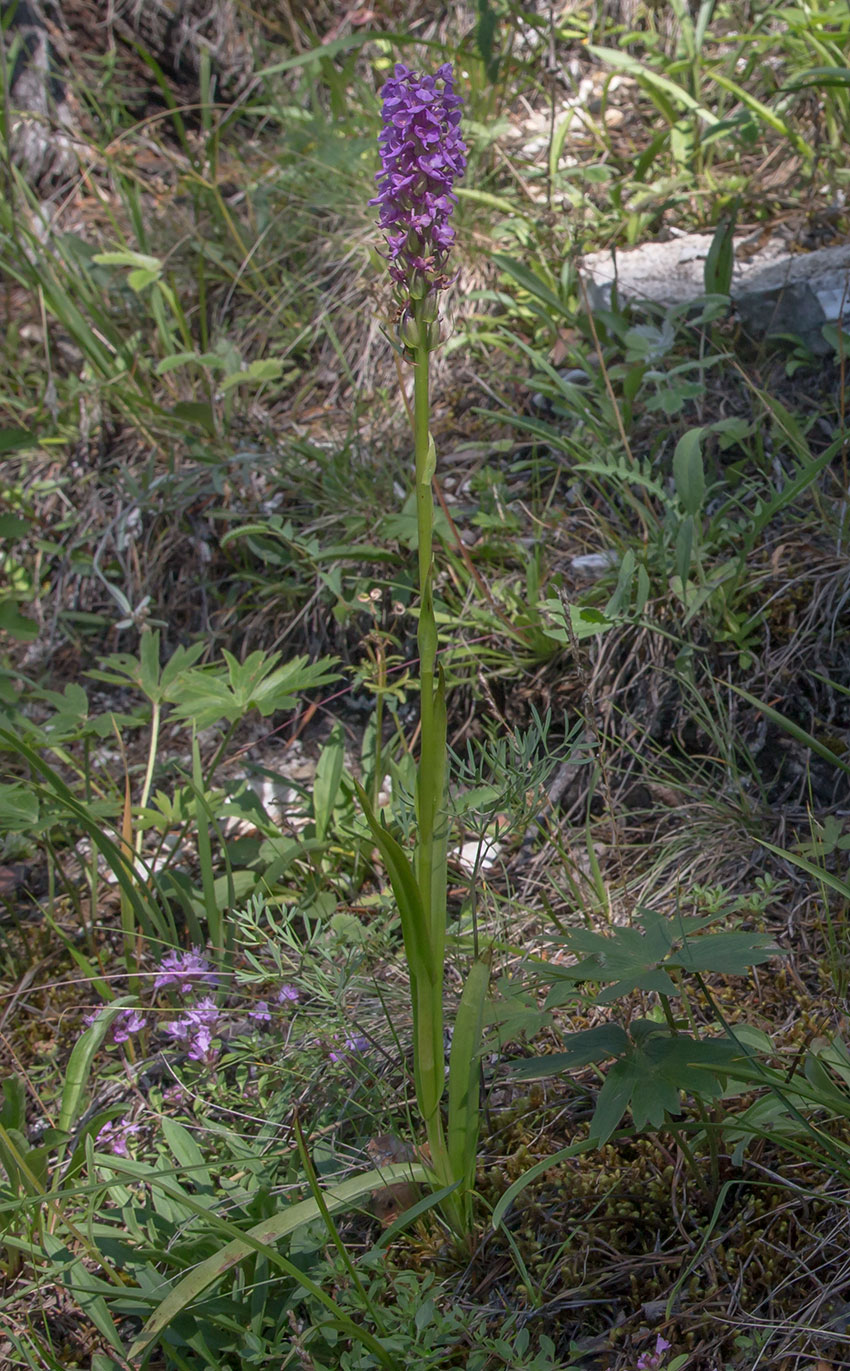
422, 155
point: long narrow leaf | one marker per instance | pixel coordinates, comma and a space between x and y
793, 729
258, 1239
414, 919
464, 1106
80, 1062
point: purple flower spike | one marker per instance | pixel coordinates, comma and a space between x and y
422, 155
289, 993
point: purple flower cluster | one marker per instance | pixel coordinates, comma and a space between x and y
422, 154
113, 1136
354, 1045
180, 970
197, 1027
124, 1025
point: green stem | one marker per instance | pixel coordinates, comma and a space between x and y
430, 1050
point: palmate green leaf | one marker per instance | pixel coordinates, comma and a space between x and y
635, 960
726, 953
590, 1045
208, 695
652, 1076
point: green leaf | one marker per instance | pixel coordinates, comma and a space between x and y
196, 414
726, 953
614, 1099
80, 1063
228, 691
19, 808
554, 309
720, 261
688, 471
258, 1238
16, 440
12, 621
12, 527
327, 780
590, 1045
415, 923
139, 279
13, 1111
464, 1109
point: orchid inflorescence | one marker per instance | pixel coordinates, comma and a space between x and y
422, 155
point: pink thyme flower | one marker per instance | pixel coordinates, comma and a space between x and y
128, 1022
355, 1045
181, 970
654, 1361
114, 1135
422, 154
197, 1029
123, 1026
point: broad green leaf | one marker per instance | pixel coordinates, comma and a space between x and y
196, 414
13, 1111
590, 1045
80, 1063
327, 780
19, 808
140, 278
720, 261
16, 439
689, 474
12, 621
12, 527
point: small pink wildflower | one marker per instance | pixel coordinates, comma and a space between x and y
654, 1361
355, 1044
113, 1136
181, 970
128, 1022
197, 1028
